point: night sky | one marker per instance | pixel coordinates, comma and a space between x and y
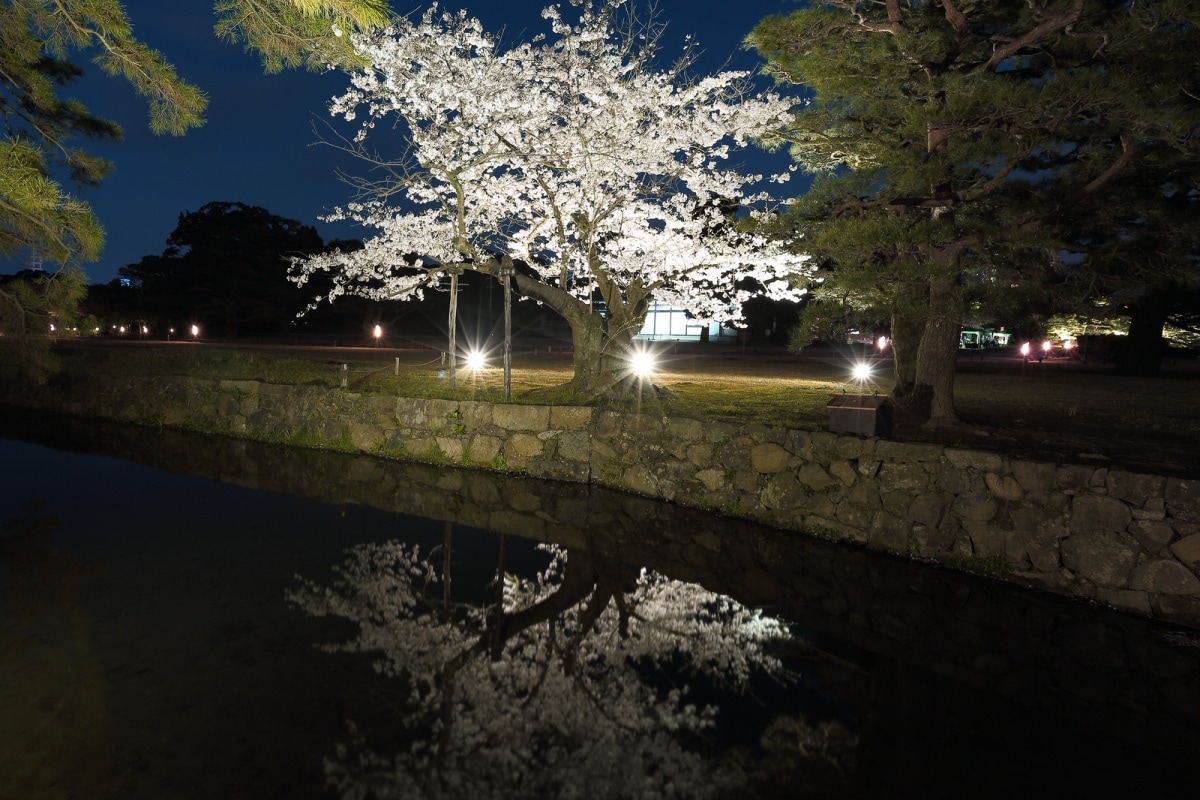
258, 145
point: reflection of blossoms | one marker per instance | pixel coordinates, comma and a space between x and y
543, 693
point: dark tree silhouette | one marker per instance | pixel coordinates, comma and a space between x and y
227, 263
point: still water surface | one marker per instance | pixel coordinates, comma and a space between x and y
156, 642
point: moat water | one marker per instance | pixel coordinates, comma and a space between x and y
171, 615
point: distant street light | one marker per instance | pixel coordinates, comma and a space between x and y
195, 332
378, 333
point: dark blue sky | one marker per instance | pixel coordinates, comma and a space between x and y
257, 146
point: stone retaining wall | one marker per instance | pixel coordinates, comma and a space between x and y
1121, 538
1117, 674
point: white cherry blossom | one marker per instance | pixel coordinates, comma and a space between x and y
604, 176
546, 695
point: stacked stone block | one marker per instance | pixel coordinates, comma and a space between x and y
1121, 538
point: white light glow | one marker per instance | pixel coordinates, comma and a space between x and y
641, 363
475, 360
862, 372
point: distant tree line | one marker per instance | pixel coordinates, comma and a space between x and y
44, 131
225, 268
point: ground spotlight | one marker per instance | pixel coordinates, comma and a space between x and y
861, 371
641, 363
475, 360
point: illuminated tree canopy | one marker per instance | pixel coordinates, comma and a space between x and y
603, 179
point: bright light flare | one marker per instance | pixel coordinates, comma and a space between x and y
861, 372
641, 363
882, 343
195, 331
1025, 348
378, 332
1047, 346
475, 360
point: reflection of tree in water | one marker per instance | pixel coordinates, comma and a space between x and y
565, 685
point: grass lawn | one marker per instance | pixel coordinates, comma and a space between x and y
1059, 408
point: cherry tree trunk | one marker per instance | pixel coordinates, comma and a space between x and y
601, 341
601, 357
588, 339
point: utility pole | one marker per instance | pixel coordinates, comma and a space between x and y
452, 354
503, 273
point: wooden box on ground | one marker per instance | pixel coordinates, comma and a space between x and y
864, 414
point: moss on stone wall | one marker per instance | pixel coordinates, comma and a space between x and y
1125, 539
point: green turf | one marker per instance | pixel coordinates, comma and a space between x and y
1034, 402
